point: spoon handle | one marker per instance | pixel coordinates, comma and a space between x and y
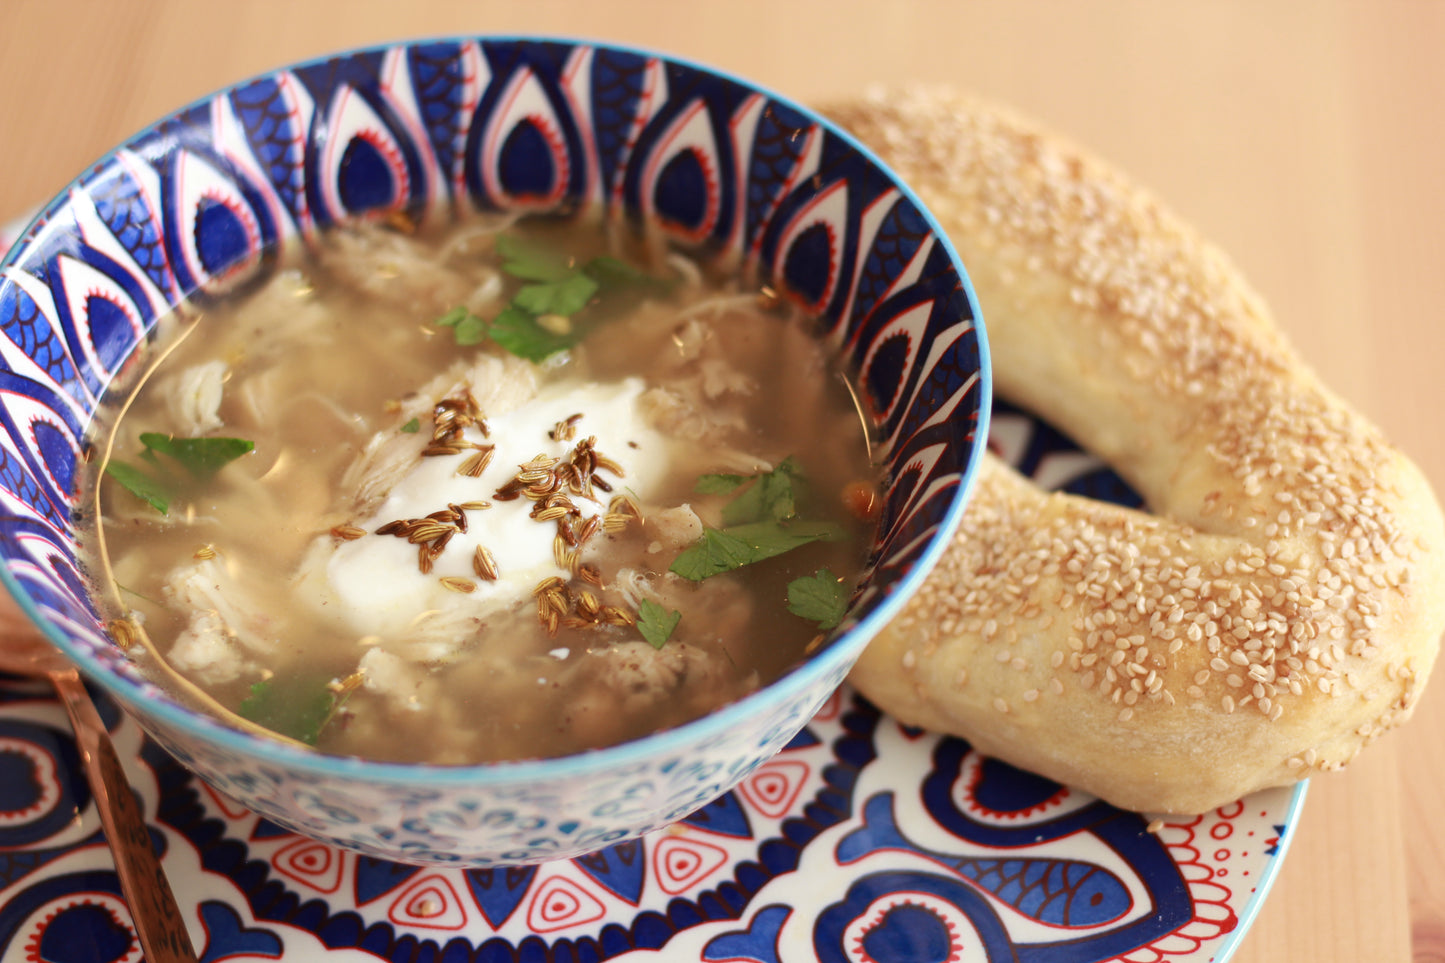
153, 909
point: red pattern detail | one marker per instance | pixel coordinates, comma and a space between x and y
879, 909
429, 903
973, 776
1213, 917
774, 787
696, 112
312, 864
560, 903
112, 906
680, 863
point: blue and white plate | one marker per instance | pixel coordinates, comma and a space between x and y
862, 842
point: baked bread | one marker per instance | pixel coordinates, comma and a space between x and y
1281, 603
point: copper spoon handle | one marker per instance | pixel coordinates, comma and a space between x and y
153, 909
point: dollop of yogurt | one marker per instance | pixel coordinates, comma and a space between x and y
376, 582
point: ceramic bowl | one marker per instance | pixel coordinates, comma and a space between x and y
197, 208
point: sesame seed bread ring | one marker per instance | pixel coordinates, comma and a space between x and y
1282, 604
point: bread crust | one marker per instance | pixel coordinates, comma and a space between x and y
1281, 604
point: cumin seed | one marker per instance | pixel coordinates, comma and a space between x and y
477, 462
123, 633
346, 533
613, 615
455, 583
549, 584
624, 504
552, 512
427, 531
484, 564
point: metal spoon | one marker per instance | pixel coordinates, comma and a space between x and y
153, 909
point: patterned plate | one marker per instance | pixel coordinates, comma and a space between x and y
862, 842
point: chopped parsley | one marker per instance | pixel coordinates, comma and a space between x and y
412, 427
772, 495
612, 273
557, 286
725, 549
517, 331
760, 522
300, 709
655, 622
819, 598
467, 328
565, 297
720, 484
141, 485
200, 458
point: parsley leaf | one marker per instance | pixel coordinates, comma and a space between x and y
819, 598
467, 328
411, 427
720, 484
612, 273
655, 622
202, 457
716, 552
725, 549
141, 485
567, 296
518, 332
294, 708
531, 262
772, 495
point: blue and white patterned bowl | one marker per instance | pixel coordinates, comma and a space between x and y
196, 208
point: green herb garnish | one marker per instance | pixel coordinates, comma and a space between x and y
612, 273
725, 549
558, 286
720, 484
202, 457
141, 485
295, 708
518, 331
655, 622
772, 495
819, 598
565, 297
411, 427
467, 328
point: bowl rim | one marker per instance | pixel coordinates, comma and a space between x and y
789, 686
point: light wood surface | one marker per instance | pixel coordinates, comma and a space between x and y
1308, 139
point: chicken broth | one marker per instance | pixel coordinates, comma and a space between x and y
483, 494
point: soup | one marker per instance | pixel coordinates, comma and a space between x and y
481, 494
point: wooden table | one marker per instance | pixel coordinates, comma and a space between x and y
1306, 138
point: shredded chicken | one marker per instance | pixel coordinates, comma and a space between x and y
193, 396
